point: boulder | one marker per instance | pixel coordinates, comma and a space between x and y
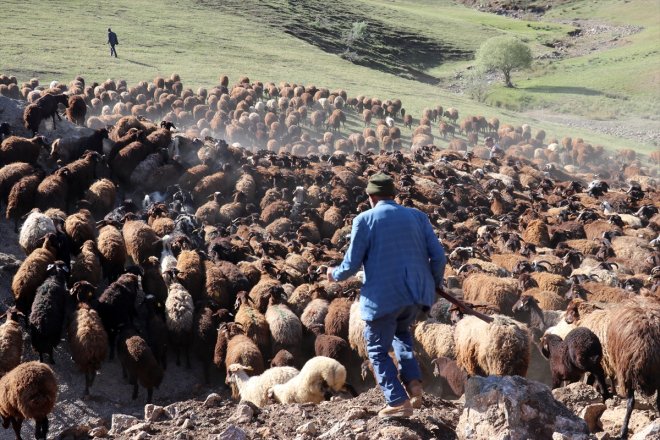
121, 422
577, 396
652, 430
512, 407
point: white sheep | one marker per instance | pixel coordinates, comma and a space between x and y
319, 375
389, 121
630, 220
254, 389
501, 347
179, 309
35, 227
167, 258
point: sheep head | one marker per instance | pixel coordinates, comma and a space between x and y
82, 291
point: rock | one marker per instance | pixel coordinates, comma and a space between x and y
142, 435
173, 409
187, 424
183, 435
9, 263
397, 433
154, 413
514, 407
74, 432
99, 431
242, 414
231, 433
334, 430
138, 427
355, 413
650, 431
121, 422
577, 396
591, 414
603, 436
612, 420
309, 428
265, 432
213, 400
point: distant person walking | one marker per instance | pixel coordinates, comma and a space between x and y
112, 41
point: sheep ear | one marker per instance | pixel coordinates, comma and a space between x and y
49, 267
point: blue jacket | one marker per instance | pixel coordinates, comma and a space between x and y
403, 259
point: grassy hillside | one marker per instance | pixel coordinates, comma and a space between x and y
412, 49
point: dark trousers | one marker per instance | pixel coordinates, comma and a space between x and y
393, 330
113, 51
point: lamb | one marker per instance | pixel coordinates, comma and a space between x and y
29, 391
330, 346
138, 362
34, 229
48, 311
479, 346
32, 272
337, 319
179, 310
255, 389
88, 340
11, 341
580, 352
452, 376
318, 376
233, 347
19, 149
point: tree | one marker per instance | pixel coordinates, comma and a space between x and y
357, 32
505, 54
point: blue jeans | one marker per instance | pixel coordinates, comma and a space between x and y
393, 330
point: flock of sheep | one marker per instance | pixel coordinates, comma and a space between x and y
207, 235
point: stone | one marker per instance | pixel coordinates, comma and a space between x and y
334, 430
651, 431
265, 432
187, 424
603, 436
514, 407
309, 428
213, 400
231, 433
173, 409
154, 413
355, 413
99, 431
577, 396
362, 436
612, 419
142, 435
121, 422
591, 414
242, 414
397, 433
138, 427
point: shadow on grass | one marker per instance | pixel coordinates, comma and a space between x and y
139, 63
561, 89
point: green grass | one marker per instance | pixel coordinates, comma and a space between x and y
202, 40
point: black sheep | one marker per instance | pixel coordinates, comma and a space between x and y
207, 319
49, 310
579, 353
116, 306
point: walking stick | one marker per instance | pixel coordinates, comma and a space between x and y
463, 307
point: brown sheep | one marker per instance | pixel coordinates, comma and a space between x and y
191, 273
11, 341
12, 173
233, 347
53, 191
29, 391
22, 198
489, 289
141, 241
86, 266
79, 228
101, 196
19, 149
32, 272
336, 320
76, 110
112, 250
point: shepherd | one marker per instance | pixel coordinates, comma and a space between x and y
112, 41
404, 264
